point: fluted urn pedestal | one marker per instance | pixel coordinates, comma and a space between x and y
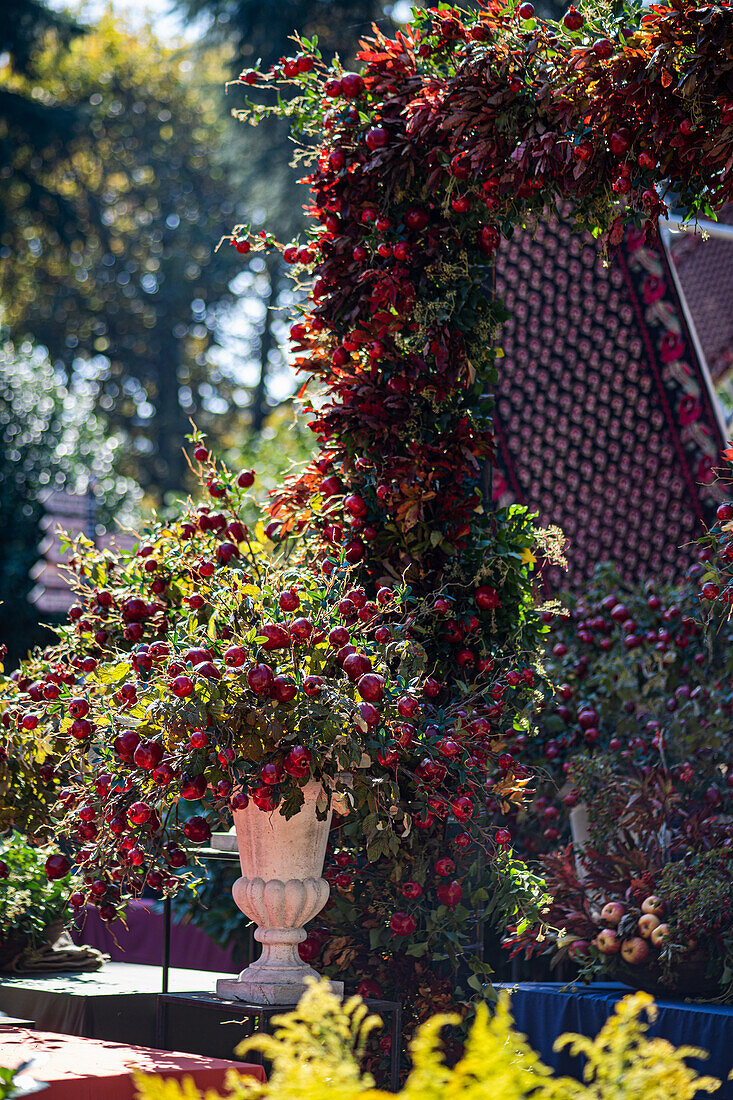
281, 889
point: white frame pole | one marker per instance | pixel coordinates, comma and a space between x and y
666, 233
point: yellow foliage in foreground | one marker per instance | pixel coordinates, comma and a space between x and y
317, 1048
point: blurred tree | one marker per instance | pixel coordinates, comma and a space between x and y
50, 438
139, 288
262, 31
36, 124
259, 162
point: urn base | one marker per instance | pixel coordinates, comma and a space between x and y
263, 991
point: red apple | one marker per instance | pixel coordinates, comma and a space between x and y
271, 774
148, 754
197, 830
612, 912
139, 813
276, 636
312, 685
126, 745
289, 600
647, 924
356, 665
607, 942
659, 934
653, 905
284, 689
193, 787
578, 949
402, 924
635, 951
487, 598
449, 893
260, 679
297, 762
57, 866
371, 687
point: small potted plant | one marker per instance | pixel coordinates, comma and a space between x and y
33, 906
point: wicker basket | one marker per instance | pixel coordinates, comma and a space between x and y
19, 942
693, 977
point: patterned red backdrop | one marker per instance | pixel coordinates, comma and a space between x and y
605, 421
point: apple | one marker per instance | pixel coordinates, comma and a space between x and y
193, 787
148, 755
260, 679
449, 893
271, 774
607, 941
312, 685
659, 934
301, 629
407, 706
578, 949
139, 813
402, 924
612, 912
635, 951
370, 687
197, 830
57, 866
653, 905
647, 924
356, 665
462, 808
297, 762
78, 708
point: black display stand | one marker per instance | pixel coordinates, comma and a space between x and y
117, 1003
187, 1008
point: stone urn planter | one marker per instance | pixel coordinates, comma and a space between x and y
281, 889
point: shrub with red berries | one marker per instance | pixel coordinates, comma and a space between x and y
200, 671
639, 677
196, 674
716, 551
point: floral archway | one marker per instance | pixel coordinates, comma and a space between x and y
454, 133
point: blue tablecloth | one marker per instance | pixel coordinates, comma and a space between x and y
544, 1010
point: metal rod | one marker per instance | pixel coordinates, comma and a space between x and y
166, 942
396, 1049
677, 224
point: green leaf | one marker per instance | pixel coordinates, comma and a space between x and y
112, 674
